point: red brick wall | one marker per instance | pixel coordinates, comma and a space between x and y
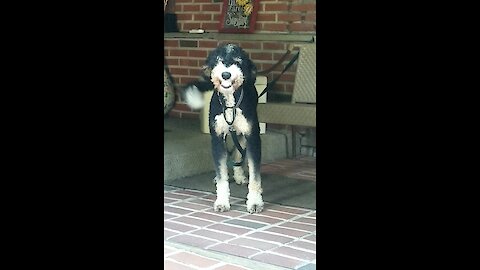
274, 16
184, 57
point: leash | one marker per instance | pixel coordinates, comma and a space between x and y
289, 64
231, 129
279, 62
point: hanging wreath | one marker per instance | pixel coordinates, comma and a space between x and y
168, 93
168, 89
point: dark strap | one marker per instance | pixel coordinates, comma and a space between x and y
272, 83
231, 129
282, 59
234, 108
239, 147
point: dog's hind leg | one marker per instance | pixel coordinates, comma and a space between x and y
254, 196
238, 172
219, 151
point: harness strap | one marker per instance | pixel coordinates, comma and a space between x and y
231, 129
234, 112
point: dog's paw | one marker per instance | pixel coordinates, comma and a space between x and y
221, 207
193, 97
239, 175
254, 203
240, 179
255, 208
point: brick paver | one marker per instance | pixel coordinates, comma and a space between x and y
177, 259
301, 168
193, 221
246, 224
192, 240
214, 234
253, 243
280, 236
276, 214
297, 253
299, 226
229, 229
277, 260
287, 232
235, 250
229, 267
263, 219
272, 237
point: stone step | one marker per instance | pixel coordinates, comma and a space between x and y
187, 151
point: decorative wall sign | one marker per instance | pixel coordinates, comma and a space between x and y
239, 16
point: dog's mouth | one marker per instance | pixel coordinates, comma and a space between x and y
226, 87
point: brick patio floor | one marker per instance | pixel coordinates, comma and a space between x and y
280, 237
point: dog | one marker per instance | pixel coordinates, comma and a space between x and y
230, 73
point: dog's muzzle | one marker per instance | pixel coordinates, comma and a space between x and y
226, 83
226, 75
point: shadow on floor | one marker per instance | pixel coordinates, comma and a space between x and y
276, 189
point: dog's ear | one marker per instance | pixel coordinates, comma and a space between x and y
206, 71
253, 70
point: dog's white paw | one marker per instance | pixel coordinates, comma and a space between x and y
241, 179
254, 202
222, 202
221, 205
193, 97
239, 176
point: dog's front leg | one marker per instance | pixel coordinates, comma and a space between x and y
219, 151
254, 196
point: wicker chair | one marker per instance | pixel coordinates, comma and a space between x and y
301, 111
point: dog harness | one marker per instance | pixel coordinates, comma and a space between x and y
231, 129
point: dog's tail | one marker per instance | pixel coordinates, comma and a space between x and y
192, 93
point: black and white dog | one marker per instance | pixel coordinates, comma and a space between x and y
233, 111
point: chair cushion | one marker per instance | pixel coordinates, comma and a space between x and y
296, 114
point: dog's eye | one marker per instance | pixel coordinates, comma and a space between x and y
238, 60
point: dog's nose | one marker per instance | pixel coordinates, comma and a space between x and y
226, 75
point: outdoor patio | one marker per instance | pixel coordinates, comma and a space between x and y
281, 237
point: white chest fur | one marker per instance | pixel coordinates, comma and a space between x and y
240, 123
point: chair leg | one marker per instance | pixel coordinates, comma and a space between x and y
294, 143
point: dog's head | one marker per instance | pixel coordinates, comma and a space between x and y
229, 67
